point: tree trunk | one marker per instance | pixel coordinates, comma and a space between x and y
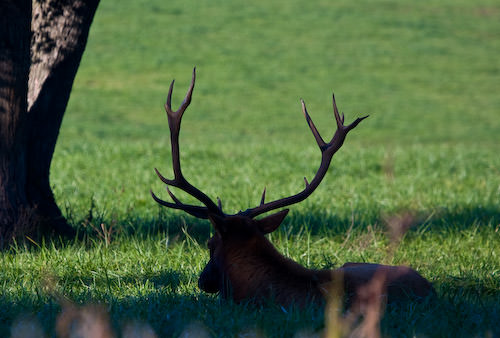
15, 36
60, 31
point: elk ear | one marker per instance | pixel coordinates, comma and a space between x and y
218, 222
272, 222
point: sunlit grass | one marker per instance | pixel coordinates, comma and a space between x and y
427, 73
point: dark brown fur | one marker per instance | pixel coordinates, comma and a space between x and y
244, 265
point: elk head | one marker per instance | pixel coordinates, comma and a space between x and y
239, 247
239, 254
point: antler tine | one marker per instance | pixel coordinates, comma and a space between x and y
172, 196
187, 99
327, 152
197, 211
164, 179
193, 210
356, 122
168, 104
185, 102
340, 120
317, 136
263, 198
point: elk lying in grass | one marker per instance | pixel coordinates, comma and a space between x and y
244, 265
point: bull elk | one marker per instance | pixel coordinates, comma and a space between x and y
244, 264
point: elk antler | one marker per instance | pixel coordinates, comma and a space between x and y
174, 123
327, 152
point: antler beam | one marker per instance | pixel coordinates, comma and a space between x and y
327, 152
174, 123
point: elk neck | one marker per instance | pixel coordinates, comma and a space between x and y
258, 271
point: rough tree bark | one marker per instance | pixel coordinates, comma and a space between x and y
41, 45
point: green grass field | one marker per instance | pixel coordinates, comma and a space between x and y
428, 73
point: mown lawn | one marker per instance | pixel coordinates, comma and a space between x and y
426, 72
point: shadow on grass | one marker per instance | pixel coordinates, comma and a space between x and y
316, 222
177, 225
464, 307
168, 281
450, 314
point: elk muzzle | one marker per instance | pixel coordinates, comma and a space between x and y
211, 278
